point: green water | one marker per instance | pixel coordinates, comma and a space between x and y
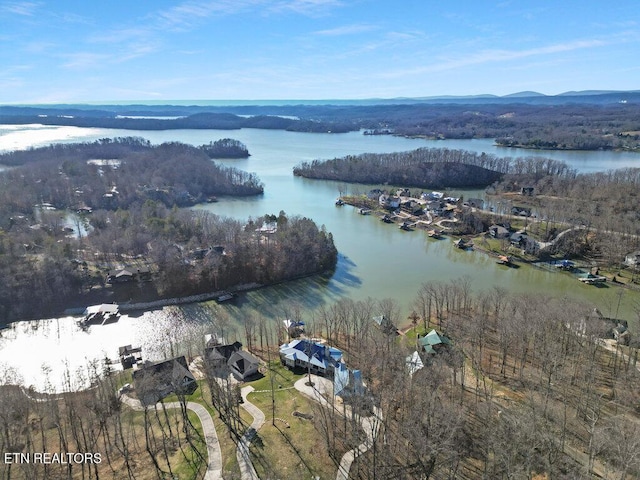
376, 260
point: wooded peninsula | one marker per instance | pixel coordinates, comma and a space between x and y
74, 215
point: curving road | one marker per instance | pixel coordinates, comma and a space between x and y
369, 424
247, 471
214, 465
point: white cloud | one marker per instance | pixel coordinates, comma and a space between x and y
346, 30
500, 55
305, 7
26, 9
83, 60
190, 14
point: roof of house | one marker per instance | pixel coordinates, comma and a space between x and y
433, 338
414, 363
242, 360
384, 323
168, 372
518, 236
311, 352
123, 273
222, 352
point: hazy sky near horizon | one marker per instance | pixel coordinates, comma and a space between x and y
82, 51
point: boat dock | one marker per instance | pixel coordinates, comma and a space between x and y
100, 314
129, 356
591, 279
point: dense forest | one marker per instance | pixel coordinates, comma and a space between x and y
115, 173
198, 121
45, 270
428, 168
72, 213
525, 390
588, 122
226, 148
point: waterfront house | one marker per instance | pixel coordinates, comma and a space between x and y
432, 196
243, 365
217, 355
476, 203
521, 211
412, 207
518, 239
374, 194
498, 231
632, 259
120, 276
385, 325
434, 206
126, 275
315, 357
389, 201
433, 342
526, 191
154, 381
524, 242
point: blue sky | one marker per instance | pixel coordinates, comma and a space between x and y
155, 50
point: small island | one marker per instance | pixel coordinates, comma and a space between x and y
226, 148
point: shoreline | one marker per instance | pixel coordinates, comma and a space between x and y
166, 302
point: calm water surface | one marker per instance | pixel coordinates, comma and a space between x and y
376, 260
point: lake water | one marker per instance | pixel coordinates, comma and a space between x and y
376, 260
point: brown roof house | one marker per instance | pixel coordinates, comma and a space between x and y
154, 381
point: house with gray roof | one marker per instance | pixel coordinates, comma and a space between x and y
154, 381
243, 365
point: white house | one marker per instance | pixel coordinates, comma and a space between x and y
632, 259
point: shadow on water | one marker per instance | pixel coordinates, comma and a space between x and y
279, 301
343, 277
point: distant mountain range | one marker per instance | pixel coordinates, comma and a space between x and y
54, 113
528, 97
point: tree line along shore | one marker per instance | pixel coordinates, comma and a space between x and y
520, 388
591, 122
547, 196
509, 385
73, 216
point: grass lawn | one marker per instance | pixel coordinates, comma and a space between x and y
288, 447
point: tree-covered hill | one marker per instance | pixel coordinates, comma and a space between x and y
426, 168
226, 148
115, 173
